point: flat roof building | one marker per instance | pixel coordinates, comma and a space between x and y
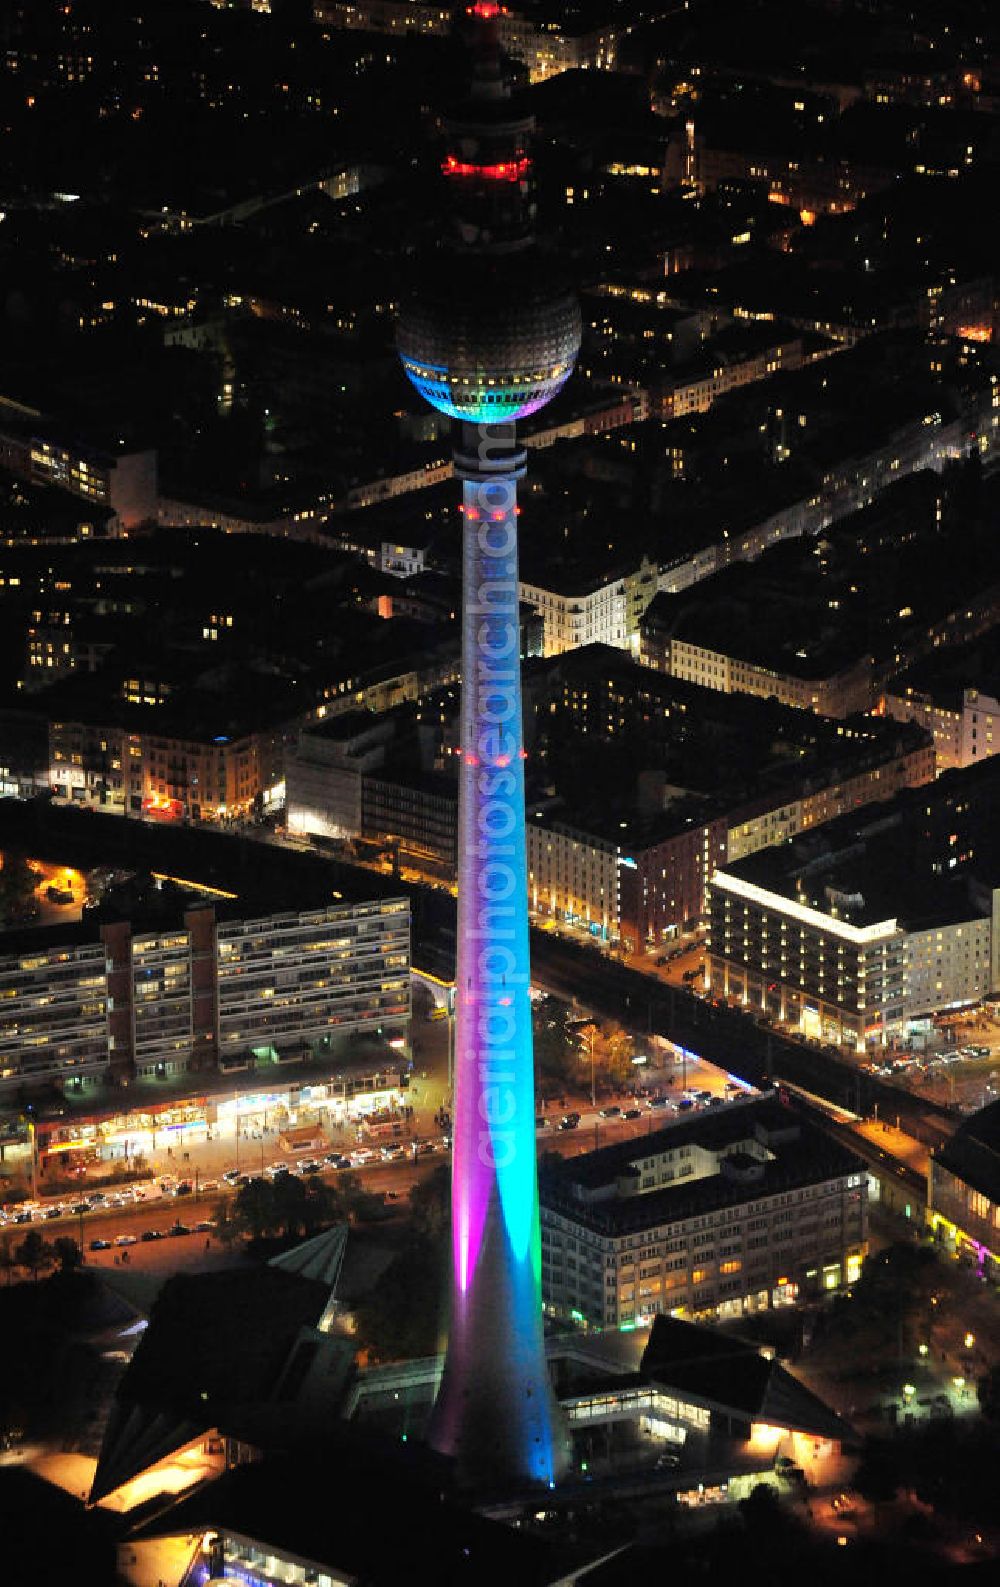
205, 988
725, 1212
882, 916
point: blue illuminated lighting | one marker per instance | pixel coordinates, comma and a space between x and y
478, 397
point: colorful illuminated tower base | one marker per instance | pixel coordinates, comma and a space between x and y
496, 1412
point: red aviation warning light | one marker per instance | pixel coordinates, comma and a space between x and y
505, 171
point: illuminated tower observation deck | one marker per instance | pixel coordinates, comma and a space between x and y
486, 341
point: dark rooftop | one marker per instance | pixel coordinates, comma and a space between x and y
922, 857
261, 876
718, 1367
320, 1509
802, 1155
945, 675
973, 1153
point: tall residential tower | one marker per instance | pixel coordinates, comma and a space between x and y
487, 340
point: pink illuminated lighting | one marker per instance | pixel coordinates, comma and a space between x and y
504, 171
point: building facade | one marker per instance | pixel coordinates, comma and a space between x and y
54, 1002
837, 694
110, 999
573, 875
291, 982
325, 771
546, 48
963, 1201
604, 609
200, 777
878, 776
728, 1212
620, 887
687, 392
827, 977
965, 723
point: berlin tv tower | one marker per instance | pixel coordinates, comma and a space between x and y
486, 341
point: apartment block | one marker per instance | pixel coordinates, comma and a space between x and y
577, 607
955, 694
53, 1008
302, 977
157, 989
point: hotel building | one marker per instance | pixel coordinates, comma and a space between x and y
881, 917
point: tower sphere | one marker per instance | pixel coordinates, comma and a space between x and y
489, 342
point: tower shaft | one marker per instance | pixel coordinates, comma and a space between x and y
491, 337
496, 1412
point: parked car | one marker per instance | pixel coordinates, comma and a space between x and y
100, 1245
611, 1112
126, 1239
